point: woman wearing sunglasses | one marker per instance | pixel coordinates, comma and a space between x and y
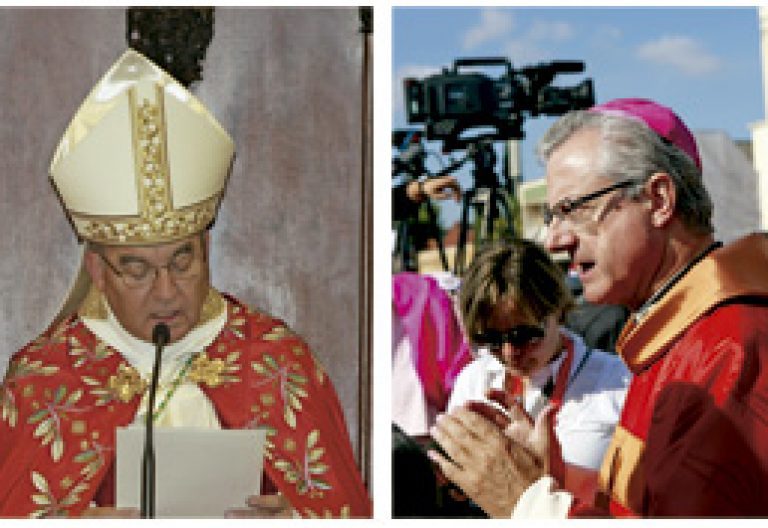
513, 300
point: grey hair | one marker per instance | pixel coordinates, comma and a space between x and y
631, 150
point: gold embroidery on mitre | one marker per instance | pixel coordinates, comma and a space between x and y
149, 148
173, 225
126, 384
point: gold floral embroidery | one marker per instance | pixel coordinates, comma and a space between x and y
306, 474
123, 386
214, 372
344, 513
236, 325
92, 456
17, 370
277, 333
84, 354
50, 419
28, 391
78, 427
289, 383
320, 374
50, 505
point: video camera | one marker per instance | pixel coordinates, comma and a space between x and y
453, 101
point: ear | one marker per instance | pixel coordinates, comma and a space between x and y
662, 198
207, 241
95, 268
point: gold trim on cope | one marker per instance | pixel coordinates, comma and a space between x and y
734, 270
621, 474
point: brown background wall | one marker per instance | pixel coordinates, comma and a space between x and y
286, 83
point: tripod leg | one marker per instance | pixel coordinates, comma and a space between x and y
509, 206
404, 246
458, 262
490, 214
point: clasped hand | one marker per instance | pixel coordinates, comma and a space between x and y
491, 455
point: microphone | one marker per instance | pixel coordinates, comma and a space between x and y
161, 334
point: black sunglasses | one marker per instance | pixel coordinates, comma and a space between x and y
517, 336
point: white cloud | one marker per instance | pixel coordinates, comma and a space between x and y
550, 30
684, 53
533, 45
606, 36
494, 23
525, 51
610, 32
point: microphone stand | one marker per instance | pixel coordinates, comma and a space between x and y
160, 336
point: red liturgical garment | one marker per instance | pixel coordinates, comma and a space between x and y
65, 394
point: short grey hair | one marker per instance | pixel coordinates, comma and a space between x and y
631, 150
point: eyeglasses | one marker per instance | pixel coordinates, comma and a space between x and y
565, 208
517, 336
138, 273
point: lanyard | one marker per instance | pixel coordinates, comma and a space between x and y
556, 463
562, 381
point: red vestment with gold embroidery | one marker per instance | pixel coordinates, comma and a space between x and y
64, 395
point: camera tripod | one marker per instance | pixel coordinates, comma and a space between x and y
490, 201
405, 250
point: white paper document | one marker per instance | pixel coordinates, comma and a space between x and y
198, 472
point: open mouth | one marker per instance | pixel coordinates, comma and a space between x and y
585, 267
165, 316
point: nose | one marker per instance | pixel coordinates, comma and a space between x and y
164, 287
560, 236
506, 352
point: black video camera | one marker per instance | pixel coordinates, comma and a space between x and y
453, 101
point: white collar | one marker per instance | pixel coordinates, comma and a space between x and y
140, 354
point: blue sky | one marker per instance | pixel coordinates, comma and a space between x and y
704, 62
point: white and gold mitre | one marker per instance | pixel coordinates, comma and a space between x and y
143, 161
